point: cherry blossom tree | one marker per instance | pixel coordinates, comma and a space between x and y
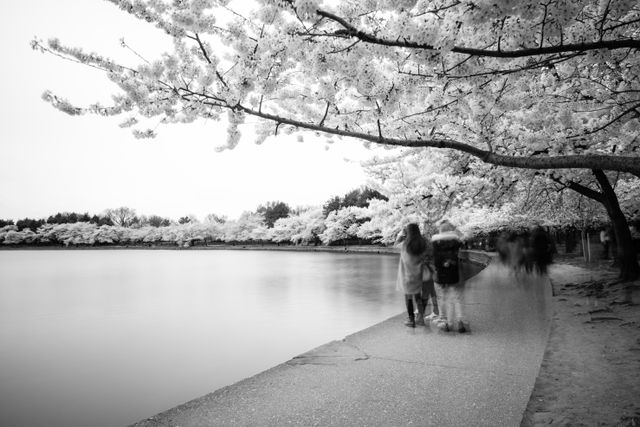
284, 228
302, 226
107, 234
77, 233
5, 230
551, 85
383, 221
427, 185
484, 220
527, 84
340, 225
605, 194
533, 192
14, 237
312, 221
568, 196
250, 226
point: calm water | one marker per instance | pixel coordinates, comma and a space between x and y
109, 337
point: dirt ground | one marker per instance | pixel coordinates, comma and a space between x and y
590, 375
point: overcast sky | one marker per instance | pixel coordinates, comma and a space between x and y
52, 162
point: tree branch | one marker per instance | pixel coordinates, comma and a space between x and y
581, 189
609, 123
206, 57
326, 111
629, 164
352, 31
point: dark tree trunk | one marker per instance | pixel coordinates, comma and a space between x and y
626, 256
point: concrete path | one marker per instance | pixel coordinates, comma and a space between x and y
392, 375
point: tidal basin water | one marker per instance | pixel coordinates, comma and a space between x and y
110, 337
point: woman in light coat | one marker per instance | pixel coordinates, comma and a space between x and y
412, 250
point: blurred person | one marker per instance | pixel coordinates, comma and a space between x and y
605, 240
512, 249
518, 250
540, 251
502, 247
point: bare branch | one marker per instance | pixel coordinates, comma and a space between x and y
206, 57
542, 24
326, 111
344, 49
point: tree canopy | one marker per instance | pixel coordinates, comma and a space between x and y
273, 211
526, 84
359, 197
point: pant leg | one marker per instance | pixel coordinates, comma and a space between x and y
444, 302
439, 290
429, 293
408, 300
448, 304
434, 300
420, 305
456, 303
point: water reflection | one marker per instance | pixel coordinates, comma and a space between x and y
106, 338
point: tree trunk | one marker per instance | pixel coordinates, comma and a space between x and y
626, 256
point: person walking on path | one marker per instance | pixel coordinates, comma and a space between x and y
605, 239
412, 250
448, 284
540, 250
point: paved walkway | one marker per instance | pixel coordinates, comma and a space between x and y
391, 375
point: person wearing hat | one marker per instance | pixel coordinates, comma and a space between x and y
449, 286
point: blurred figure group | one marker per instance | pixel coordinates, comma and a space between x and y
429, 269
529, 251
441, 284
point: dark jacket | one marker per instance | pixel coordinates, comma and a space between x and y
445, 257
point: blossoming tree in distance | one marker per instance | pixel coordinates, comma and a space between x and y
543, 85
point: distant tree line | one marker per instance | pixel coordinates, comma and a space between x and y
274, 221
125, 217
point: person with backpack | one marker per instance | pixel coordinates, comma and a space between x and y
448, 284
